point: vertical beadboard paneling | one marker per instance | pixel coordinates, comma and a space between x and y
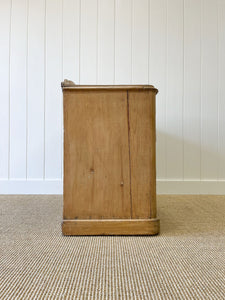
71, 22
35, 89
123, 41
5, 12
192, 91
157, 74
140, 42
209, 114
176, 45
174, 99
53, 97
221, 90
18, 90
106, 34
88, 47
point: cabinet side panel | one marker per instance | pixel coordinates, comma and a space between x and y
96, 155
142, 153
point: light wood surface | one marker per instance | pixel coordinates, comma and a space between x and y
109, 160
68, 84
111, 227
142, 153
96, 158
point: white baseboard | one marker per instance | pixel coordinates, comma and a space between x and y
31, 186
210, 187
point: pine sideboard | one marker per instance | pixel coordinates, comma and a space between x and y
109, 160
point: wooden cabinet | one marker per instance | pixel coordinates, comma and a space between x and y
109, 160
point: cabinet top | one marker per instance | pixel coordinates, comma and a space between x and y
67, 84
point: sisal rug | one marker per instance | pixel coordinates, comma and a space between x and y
186, 261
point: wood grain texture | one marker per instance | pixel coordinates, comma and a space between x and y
109, 160
141, 107
68, 84
111, 227
96, 158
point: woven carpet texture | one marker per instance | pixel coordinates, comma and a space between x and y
186, 261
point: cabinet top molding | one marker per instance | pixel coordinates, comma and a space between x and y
68, 84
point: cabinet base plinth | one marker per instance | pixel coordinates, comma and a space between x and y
111, 227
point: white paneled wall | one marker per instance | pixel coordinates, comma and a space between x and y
176, 45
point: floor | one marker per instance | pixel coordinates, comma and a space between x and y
186, 261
